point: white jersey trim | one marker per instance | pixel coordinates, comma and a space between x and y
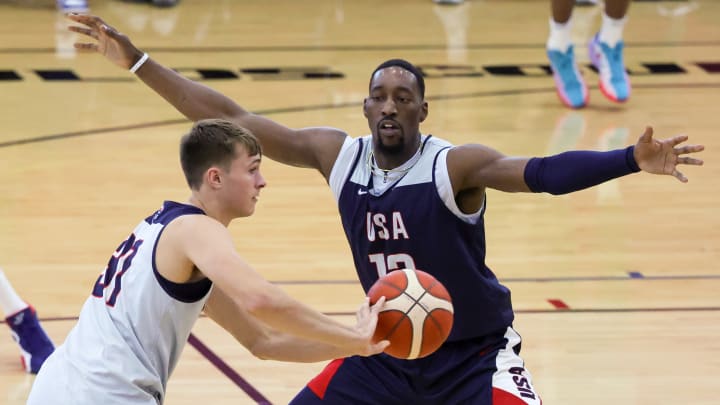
350, 149
445, 190
343, 165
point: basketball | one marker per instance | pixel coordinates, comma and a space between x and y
418, 313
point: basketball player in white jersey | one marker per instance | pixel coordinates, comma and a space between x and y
133, 327
412, 200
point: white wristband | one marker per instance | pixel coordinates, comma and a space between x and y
139, 63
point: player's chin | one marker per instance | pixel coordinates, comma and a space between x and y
247, 211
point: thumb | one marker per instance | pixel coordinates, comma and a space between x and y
110, 31
378, 305
646, 137
382, 345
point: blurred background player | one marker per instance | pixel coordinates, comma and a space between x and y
605, 51
35, 345
72, 6
81, 6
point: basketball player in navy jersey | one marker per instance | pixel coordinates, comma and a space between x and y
410, 200
177, 261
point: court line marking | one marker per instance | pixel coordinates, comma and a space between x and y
229, 372
320, 107
363, 48
515, 310
629, 277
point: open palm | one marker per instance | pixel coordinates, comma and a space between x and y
663, 156
109, 42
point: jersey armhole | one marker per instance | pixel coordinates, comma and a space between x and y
445, 190
341, 168
184, 292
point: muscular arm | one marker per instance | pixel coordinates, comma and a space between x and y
472, 168
262, 341
315, 147
206, 244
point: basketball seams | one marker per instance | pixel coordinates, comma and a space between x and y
411, 321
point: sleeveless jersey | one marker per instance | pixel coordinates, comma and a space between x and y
415, 223
131, 329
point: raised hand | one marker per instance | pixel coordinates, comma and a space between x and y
663, 156
367, 318
109, 42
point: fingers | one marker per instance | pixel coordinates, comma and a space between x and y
679, 176
689, 149
89, 20
690, 161
364, 309
675, 140
95, 24
84, 31
86, 46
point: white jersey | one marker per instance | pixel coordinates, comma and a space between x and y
131, 330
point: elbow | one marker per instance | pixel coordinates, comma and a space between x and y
263, 304
259, 352
265, 346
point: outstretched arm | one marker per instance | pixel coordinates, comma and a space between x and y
269, 343
193, 243
476, 167
206, 244
315, 147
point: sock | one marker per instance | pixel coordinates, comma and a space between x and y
10, 302
559, 39
611, 30
455, 21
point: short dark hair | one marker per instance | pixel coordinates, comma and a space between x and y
402, 63
212, 142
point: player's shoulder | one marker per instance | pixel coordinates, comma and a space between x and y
432, 145
187, 222
189, 228
436, 140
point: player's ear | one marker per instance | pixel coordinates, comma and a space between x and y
365, 113
424, 111
213, 177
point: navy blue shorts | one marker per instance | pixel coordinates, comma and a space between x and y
483, 371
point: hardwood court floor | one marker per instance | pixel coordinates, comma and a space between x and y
86, 151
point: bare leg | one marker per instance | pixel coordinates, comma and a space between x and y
606, 52
10, 301
571, 87
562, 10
616, 9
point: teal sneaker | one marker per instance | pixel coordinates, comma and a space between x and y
614, 80
570, 85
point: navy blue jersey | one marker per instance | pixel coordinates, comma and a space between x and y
414, 222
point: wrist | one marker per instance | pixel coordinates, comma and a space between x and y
139, 62
631, 159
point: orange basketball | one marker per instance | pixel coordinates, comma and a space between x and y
418, 313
